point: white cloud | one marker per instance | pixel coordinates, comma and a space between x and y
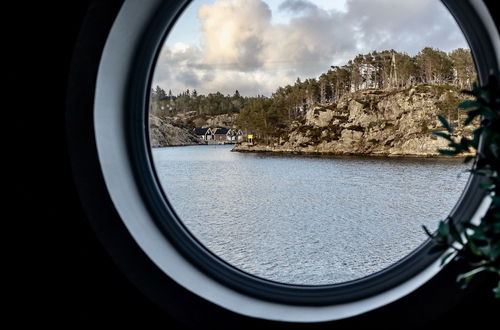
232, 33
242, 49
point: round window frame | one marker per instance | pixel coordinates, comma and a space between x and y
138, 148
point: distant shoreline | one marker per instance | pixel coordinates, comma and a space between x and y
188, 145
325, 154
350, 154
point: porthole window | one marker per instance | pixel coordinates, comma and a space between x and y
276, 158
246, 86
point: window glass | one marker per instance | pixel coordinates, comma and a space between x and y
294, 138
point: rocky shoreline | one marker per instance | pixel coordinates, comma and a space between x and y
396, 123
244, 148
165, 134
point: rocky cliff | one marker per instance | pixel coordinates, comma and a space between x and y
372, 122
163, 133
225, 120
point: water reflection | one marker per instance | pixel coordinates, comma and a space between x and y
307, 220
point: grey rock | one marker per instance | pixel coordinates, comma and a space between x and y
163, 134
370, 122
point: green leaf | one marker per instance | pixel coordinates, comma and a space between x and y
443, 229
471, 115
428, 232
479, 234
473, 247
467, 277
468, 104
496, 226
496, 290
467, 159
454, 232
486, 250
482, 172
494, 269
443, 135
447, 152
446, 257
465, 143
494, 150
480, 244
495, 251
486, 185
445, 123
468, 92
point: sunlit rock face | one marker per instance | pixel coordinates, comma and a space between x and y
224, 120
372, 122
163, 133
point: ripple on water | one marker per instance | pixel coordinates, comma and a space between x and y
306, 220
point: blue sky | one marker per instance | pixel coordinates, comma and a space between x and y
256, 46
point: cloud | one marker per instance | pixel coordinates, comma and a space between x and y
232, 33
239, 35
241, 48
297, 6
403, 25
182, 67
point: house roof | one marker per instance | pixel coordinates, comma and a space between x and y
202, 131
234, 132
221, 131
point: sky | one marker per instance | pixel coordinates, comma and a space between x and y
255, 46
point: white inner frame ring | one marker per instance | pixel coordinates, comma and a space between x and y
110, 97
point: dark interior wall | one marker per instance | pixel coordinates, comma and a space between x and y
77, 282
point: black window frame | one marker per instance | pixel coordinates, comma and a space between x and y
140, 153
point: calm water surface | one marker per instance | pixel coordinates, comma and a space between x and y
307, 220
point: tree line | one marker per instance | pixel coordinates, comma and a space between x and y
167, 104
269, 116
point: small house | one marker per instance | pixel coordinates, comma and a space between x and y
221, 134
203, 133
235, 135
239, 135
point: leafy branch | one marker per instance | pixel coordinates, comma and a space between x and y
477, 244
